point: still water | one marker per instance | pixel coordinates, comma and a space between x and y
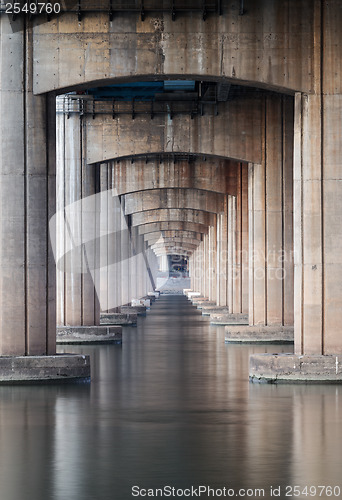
170, 407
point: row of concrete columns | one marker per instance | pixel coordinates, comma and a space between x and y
109, 264
245, 261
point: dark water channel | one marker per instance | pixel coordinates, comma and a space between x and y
171, 407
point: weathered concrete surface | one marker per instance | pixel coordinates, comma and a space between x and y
139, 310
141, 302
194, 199
173, 226
118, 319
201, 304
193, 294
229, 319
27, 201
259, 334
44, 369
271, 44
89, 335
208, 310
173, 214
290, 368
234, 134
214, 174
77, 300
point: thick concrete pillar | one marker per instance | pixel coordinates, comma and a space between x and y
212, 263
27, 201
242, 257
78, 302
110, 244
270, 217
270, 310
222, 255
317, 216
231, 267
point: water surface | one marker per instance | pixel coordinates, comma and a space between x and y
171, 407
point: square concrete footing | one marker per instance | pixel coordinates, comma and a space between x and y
119, 319
259, 334
139, 310
204, 303
141, 302
291, 368
208, 310
58, 368
89, 335
229, 319
191, 295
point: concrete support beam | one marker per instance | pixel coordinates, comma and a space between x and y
151, 238
173, 226
214, 175
153, 199
173, 214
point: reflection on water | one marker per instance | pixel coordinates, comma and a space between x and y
172, 406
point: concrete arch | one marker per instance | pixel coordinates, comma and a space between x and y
172, 234
177, 240
235, 133
152, 227
193, 199
99, 51
169, 215
205, 173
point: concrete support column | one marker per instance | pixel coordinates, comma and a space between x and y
27, 201
231, 268
317, 216
27, 194
78, 303
222, 256
110, 244
212, 263
271, 230
125, 256
242, 255
270, 219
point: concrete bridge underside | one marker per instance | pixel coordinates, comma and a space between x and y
248, 191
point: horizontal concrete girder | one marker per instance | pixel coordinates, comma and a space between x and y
152, 199
172, 251
153, 237
164, 215
173, 226
175, 241
183, 245
213, 174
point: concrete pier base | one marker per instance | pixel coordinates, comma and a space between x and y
89, 335
191, 295
204, 303
259, 334
141, 302
229, 319
139, 310
291, 368
119, 319
66, 368
208, 310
